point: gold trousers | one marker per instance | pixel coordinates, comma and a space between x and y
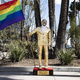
40, 47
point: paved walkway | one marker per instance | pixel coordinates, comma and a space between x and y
17, 73
29, 76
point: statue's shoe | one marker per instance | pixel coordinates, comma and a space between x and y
46, 67
40, 67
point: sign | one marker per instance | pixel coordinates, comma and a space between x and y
42, 72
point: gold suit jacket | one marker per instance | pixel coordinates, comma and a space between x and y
44, 38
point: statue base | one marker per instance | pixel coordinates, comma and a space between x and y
42, 71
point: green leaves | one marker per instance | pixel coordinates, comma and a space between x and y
17, 51
26, 2
65, 57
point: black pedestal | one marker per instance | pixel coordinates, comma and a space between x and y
42, 71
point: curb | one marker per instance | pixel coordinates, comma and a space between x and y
30, 69
66, 69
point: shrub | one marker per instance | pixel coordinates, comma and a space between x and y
34, 47
31, 47
77, 50
65, 57
17, 54
17, 51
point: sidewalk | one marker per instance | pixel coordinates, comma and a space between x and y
29, 76
25, 73
30, 68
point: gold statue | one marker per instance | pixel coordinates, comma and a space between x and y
44, 41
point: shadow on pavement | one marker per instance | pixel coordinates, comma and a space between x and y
31, 74
16, 73
5, 78
66, 75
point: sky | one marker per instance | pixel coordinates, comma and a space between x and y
45, 11
59, 1
57, 11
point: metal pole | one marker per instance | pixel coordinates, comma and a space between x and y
30, 45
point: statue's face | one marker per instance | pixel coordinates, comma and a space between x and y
44, 23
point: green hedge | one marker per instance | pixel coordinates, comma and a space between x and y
65, 57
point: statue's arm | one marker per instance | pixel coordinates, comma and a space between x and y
49, 38
32, 32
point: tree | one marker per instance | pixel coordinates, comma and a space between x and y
78, 9
75, 30
60, 42
37, 13
22, 22
72, 18
30, 17
51, 4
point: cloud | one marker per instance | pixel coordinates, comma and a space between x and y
59, 1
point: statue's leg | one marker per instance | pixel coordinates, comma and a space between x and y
40, 56
46, 55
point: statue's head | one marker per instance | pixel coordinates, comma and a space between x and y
44, 22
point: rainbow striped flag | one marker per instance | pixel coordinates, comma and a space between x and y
10, 12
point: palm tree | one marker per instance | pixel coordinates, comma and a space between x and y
37, 13
60, 42
67, 11
22, 22
51, 4
72, 17
78, 8
75, 7
75, 30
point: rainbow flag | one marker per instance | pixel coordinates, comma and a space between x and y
10, 12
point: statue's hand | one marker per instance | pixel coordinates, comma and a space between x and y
29, 42
28, 37
49, 46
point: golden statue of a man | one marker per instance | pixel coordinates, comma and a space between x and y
44, 41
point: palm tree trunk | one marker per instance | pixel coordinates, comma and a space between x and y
53, 13
22, 22
79, 14
37, 13
60, 42
51, 4
75, 7
67, 11
75, 15
75, 26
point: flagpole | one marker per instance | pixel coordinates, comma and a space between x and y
28, 41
